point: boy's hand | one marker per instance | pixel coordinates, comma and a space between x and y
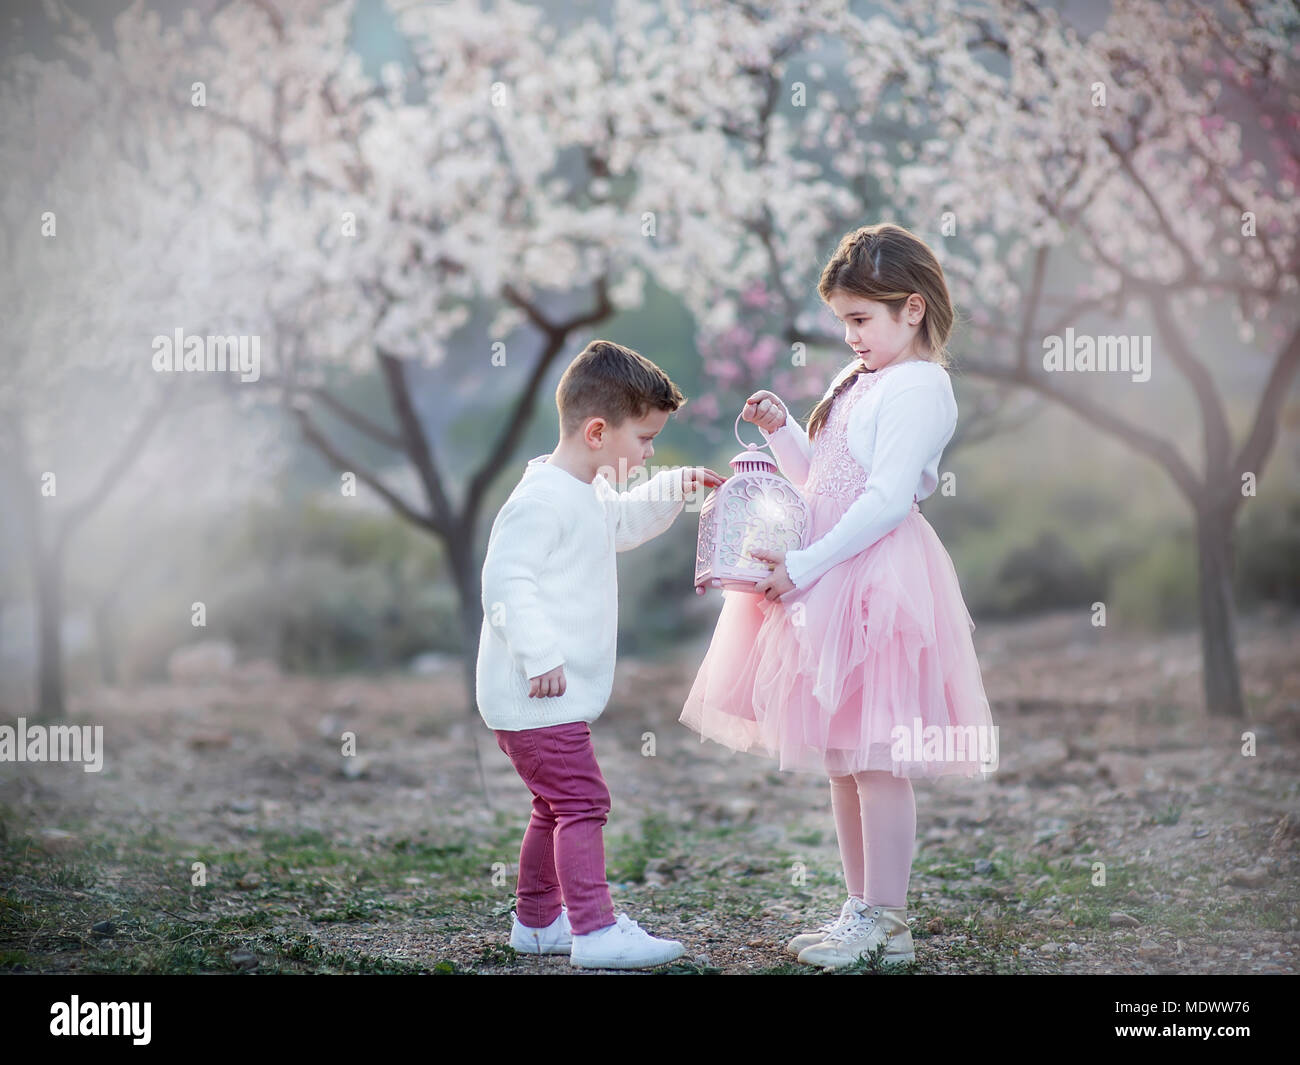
696, 476
549, 683
779, 582
765, 411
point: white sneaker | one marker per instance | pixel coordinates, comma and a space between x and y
851, 907
622, 945
861, 935
555, 938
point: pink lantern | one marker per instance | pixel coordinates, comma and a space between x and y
754, 508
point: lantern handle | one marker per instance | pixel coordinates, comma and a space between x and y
748, 447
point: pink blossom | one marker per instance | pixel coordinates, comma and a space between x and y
704, 407
760, 356
755, 296
725, 371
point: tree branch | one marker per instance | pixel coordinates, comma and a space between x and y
556, 336
268, 142
117, 467
415, 442
1216, 435
1031, 308
345, 465
1126, 163
533, 313
1148, 444
355, 418
1078, 309
1263, 432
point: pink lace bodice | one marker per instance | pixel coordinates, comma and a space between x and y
833, 471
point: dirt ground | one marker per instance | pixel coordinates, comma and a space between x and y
395, 860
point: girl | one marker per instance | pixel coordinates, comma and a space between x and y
855, 657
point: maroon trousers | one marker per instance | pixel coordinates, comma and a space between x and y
562, 858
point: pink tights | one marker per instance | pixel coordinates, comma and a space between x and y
875, 821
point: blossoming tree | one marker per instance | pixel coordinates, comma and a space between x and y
541, 176
1150, 168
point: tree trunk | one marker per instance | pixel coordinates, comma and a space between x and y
1218, 615
48, 547
106, 618
465, 572
49, 627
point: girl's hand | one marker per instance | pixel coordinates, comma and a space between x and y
779, 582
547, 684
765, 411
695, 476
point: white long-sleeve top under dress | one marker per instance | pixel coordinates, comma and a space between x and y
550, 590
896, 433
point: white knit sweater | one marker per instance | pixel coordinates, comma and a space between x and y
550, 590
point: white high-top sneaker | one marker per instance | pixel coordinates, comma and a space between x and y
555, 938
861, 935
852, 905
622, 945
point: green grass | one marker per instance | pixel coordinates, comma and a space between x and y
164, 924
628, 854
811, 838
313, 884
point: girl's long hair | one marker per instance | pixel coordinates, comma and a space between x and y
887, 263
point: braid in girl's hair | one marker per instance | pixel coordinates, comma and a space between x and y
887, 263
823, 409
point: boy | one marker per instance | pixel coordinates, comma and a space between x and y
546, 650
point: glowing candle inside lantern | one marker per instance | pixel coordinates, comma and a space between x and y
756, 509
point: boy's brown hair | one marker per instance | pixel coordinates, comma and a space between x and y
607, 380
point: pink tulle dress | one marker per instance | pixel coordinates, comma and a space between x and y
823, 678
